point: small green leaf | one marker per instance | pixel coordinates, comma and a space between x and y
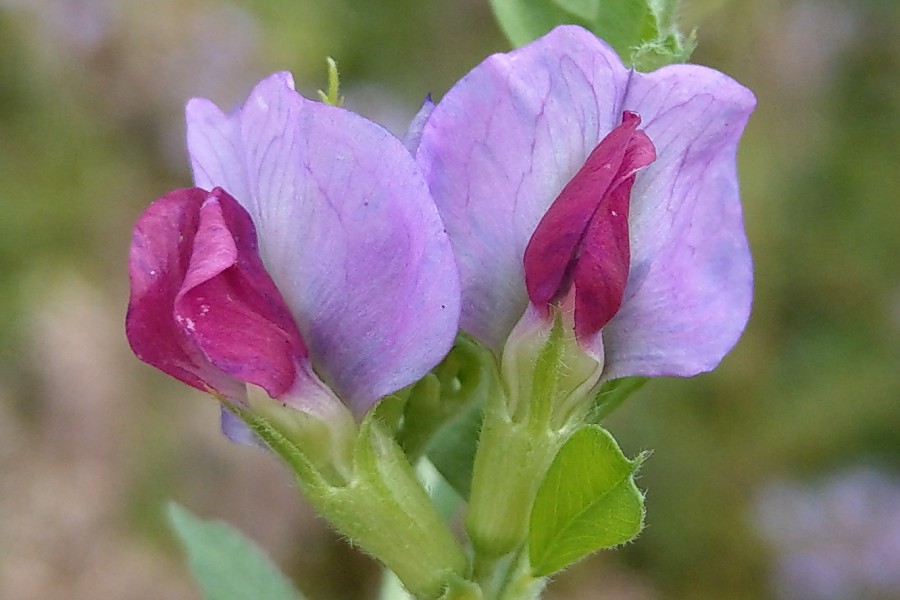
624, 24
643, 32
333, 95
227, 565
587, 502
620, 23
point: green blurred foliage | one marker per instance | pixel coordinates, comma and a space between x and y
89, 134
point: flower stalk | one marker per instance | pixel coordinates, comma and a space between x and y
381, 499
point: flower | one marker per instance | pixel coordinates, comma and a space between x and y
504, 145
351, 286
835, 538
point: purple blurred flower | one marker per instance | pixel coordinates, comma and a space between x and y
352, 280
834, 539
508, 141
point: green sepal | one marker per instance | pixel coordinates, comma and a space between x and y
548, 377
385, 500
588, 501
548, 382
666, 48
226, 564
298, 461
611, 395
511, 460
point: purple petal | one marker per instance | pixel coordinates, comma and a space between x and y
500, 147
215, 136
506, 139
347, 230
690, 287
237, 431
414, 133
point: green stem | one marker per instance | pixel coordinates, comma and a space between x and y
520, 584
384, 500
509, 578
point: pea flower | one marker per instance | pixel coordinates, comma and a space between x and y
309, 261
566, 179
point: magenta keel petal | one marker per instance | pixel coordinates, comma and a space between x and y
583, 237
160, 253
203, 309
231, 307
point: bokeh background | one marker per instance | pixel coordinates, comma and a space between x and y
777, 476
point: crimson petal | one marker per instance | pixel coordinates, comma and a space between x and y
583, 237
203, 308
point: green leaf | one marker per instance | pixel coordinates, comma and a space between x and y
623, 24
227, 565
586, 9
524, 21
587, 502
643, 32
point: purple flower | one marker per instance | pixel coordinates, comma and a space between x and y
351, 282
508, 157
835, 538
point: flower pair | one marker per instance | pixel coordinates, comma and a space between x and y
321, 259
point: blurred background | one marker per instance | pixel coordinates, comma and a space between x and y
777, 476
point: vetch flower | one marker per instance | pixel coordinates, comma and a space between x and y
317, 255
309, 261
653, 251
